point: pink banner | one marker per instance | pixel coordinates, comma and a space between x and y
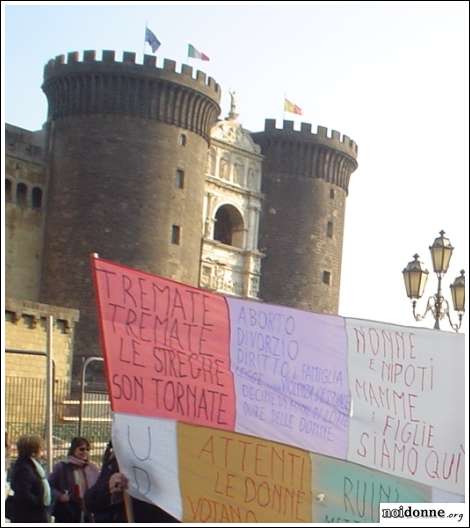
166, 347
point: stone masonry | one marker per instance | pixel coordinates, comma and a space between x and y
25, 329
305, 183
131, 165
117, 134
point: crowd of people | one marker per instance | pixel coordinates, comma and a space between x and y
76, 491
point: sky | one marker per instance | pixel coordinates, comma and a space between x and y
392, 76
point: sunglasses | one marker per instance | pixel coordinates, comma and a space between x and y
83, 449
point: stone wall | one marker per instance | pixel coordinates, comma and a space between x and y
25, 191
26, 329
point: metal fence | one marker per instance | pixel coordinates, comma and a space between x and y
25, 413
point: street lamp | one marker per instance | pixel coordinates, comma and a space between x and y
415, 276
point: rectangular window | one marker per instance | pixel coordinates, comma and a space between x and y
175, 234
180, 179
62, 325
29, 320
206, 277
326, 277
329, 230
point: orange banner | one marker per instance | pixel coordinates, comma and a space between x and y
229, 477
166, 347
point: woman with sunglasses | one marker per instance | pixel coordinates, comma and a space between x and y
69, 481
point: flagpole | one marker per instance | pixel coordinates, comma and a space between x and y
145, 36
187, 52
284, 109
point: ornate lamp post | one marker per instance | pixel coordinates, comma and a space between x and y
416, 275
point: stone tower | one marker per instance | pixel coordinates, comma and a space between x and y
305, 183
126, 151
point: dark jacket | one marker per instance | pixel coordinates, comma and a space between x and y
62, 479
28, 500
109, 507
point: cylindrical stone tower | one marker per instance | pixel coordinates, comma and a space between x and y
127, 150
305, 182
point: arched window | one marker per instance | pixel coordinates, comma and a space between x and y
182, 140
8, 190
21, 194
37, 198
229, 226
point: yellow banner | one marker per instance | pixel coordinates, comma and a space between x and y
229, 477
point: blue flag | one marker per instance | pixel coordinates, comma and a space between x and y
152, 40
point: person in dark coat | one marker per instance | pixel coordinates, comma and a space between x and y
32, 494
69, 481
106, 500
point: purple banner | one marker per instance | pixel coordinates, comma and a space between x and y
290, 371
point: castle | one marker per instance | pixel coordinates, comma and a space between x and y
134, 164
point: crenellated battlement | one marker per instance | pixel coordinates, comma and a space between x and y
305, 183
343, 143
185, 99
148, 69
306, 154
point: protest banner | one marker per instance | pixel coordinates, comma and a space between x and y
229, 477
290, 375
345, 492
201, 474
387, 397
408, 390
147, 451
166, 347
